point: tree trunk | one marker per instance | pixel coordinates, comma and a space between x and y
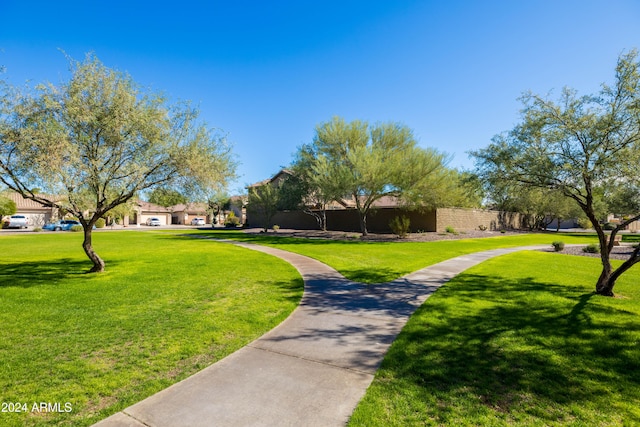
98, 263
605, 284
363, 224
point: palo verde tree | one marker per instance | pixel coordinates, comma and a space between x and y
99, 139
586, 147
366, 163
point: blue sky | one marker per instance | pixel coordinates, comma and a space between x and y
267, 72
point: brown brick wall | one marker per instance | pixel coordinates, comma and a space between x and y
472, 219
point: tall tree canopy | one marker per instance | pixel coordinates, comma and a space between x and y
368, 163
99, 139
586, 147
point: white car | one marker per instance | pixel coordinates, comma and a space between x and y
18, 221
154, 222
197, 221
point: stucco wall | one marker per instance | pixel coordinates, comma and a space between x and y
348, 220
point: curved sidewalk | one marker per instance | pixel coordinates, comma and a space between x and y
314, 367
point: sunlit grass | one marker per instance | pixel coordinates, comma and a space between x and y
165, 308
378, 262
518, 340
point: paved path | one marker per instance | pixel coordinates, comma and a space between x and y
315, 366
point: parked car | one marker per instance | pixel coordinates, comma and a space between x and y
197, 221
62, 225
154, 222
18, 221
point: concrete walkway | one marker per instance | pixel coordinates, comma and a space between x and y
314, 367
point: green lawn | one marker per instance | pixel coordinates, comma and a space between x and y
165, 308
518, 340
379, 262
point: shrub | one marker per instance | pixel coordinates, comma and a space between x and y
232, 220
400, 226
276, 228
76, 228
558, 245
584, 223
37, 229
482, 227
591, 249
608, 226
100, 223
450, 229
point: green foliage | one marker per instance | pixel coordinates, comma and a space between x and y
99, 139
482, 227
450, 229
584, 222
7, 206
263, 201
364, 163
232, 220
558, 245
591, 249
276, 228
585, 147
400, 226
100, 223
37, 229
76, 228
166, 197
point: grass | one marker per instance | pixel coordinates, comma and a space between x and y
518, 340
165, 308
379, 262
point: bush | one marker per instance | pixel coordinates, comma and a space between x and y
232, 220
276, 228
400, 226
482, 227
591, 249
584, 223
100, 223
558, 245
450, 229
76, 228
608, 226
37, 229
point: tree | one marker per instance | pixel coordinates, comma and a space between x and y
166, 197
368, 163
582, 147
99, 139
7, 206
263, 200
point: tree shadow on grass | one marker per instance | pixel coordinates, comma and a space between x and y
30, 274
264, 239
511, 352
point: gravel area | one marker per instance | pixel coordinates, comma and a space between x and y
621, 252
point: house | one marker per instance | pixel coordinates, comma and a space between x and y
36, 214
145, 210
185, 213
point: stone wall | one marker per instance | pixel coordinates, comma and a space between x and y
474, 219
